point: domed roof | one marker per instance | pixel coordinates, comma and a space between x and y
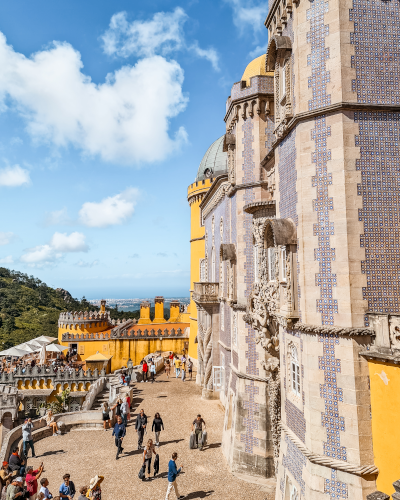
254, 68
214, 162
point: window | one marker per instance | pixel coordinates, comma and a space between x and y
283, 264
271, 263
234, 329
222, 315
203, 270
295, 370
255, 256
293, 493
213, 265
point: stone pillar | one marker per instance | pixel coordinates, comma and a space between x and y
103, 306
159, 310
144, 313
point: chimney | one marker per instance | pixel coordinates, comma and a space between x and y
144, 313
174, 311
103, 306
159, 307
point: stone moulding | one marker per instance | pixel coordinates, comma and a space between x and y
315, 458
227, 348
333, 330
247, 376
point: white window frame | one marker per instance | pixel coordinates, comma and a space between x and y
295, 378
203, 274
271, 255
218, 377
283, 264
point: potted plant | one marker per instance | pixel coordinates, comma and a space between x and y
42, 409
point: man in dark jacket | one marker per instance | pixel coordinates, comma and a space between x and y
140, 426
16, 464
119, 433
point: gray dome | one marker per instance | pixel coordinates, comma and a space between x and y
214, 162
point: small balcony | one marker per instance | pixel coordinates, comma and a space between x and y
206, 293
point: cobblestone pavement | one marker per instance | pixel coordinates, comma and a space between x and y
85, 453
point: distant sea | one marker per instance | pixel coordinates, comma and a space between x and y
134, 304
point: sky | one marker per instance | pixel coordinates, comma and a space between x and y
106, 110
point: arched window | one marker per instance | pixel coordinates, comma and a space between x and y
271, 253
295, 370
203, 270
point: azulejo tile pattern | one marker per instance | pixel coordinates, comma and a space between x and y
295, 420
295, 461
332, 396
250, 422
334, 488
319, 53
376, 39
379, 163
324, 229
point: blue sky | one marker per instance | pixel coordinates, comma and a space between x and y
106, 109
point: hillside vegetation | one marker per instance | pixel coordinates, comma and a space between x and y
29, 308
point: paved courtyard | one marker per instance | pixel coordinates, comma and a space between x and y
85, 453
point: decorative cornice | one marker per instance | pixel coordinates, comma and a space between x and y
325, 110
333, 330
239, 307
385, 358
247, 376
224, 346
197, 239
215, 198
252, 208
315, 458
248, 97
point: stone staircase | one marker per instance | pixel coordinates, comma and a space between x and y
101, 398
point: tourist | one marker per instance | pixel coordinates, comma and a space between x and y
119, 432
27, 437
122, 379
183, 372
95, 490
67, 489
16, 489
128, 378
140, 427
117, 408
83, 491
4, 490
171, 358
16, 464
31, 480
130, 367
144, 370
177, 363
5, 472
44, 483
152, 371
190, 367
167, 367
49, 417
197, 426
106, 415
124, 412
172, 474
147, 456
156, 427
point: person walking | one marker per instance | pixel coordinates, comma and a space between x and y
119, 432
44, 483
183, 372
106, 415
152, 371
197, 427
145, 369
67, 489
167, 367
124, 412
177, 363
172, 475
158, 424
117, 408
27, 438
190, 367
31, 480
148, 455
140, 427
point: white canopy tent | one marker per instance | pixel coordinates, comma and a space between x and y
26, 347
31, 346
14, 352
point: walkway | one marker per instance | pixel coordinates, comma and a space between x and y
85, 453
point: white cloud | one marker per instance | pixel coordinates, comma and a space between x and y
163, 34
109, 211
13, 176
74, 242
258, 51
249, 14
58, 217
60, 244
6, 238
7, 260
83, 263
119, 120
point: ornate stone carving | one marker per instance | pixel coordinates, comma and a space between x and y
204, 350
231, 164
394, 331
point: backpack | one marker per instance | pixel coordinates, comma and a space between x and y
142, 472
157, 464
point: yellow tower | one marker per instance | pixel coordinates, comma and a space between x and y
144, 313
213, 164
159, 310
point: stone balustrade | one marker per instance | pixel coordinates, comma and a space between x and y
206, 293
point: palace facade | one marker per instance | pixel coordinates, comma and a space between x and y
295, 254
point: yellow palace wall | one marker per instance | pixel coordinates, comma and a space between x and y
385, 410
196, 192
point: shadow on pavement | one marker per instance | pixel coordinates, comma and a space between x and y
48, 453
169, 442
214, 445
199, 494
